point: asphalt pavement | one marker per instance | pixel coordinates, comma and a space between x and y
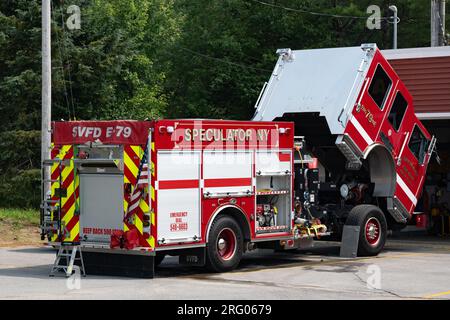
409, 268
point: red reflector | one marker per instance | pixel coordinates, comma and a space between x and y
146, 217
146, 235
421, 221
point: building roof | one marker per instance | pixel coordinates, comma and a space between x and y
411, 53
426, 74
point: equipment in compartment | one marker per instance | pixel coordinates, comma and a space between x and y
266, 213
273, 204
311, 216
308, 182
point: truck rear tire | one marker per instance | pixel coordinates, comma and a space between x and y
373, 228
225, 245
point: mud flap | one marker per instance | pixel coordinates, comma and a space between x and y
350, 241
124, 265
193, 257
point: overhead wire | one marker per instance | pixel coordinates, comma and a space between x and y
288, 9
223, 60
315, 13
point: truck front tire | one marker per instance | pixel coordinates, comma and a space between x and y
225, 245
373, 228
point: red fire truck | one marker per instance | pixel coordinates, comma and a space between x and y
334, 142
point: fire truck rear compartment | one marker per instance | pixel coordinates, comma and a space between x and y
101, 192
101, 206
101, 211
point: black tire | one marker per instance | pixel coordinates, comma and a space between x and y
373, 228
221, 255
159, 258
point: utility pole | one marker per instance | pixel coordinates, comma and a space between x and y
46, 91
395, 11
442, 25
437, 23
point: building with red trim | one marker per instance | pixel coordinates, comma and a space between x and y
426, 74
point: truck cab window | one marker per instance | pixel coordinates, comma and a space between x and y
418, 144
397, 111
379, 87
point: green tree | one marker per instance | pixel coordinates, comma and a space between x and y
216, 35
164, 58
110, 69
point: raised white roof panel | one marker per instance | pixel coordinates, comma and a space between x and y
319, 80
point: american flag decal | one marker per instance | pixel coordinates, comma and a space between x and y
138, 190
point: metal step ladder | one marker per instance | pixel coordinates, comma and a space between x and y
68, 253
51, 224
50, 208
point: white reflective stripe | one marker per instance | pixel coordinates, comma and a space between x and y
361, 130
135, 195
405, 189
133, 206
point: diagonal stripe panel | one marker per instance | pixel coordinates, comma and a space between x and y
133, 156
70, 182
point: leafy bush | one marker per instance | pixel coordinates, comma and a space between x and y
19, 150
19, 169
21, 190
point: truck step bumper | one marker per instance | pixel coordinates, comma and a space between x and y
122, 265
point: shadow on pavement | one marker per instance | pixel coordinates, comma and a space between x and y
38, 272
34, 250
255, 260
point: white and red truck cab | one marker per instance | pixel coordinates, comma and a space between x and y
358, 119
334, 142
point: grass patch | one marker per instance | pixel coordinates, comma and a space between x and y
19, 218
19, 227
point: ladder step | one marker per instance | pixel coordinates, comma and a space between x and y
49, 224
51, 201
50, 208
49, 162
67, 255
49, 229
48, 219
50, 180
